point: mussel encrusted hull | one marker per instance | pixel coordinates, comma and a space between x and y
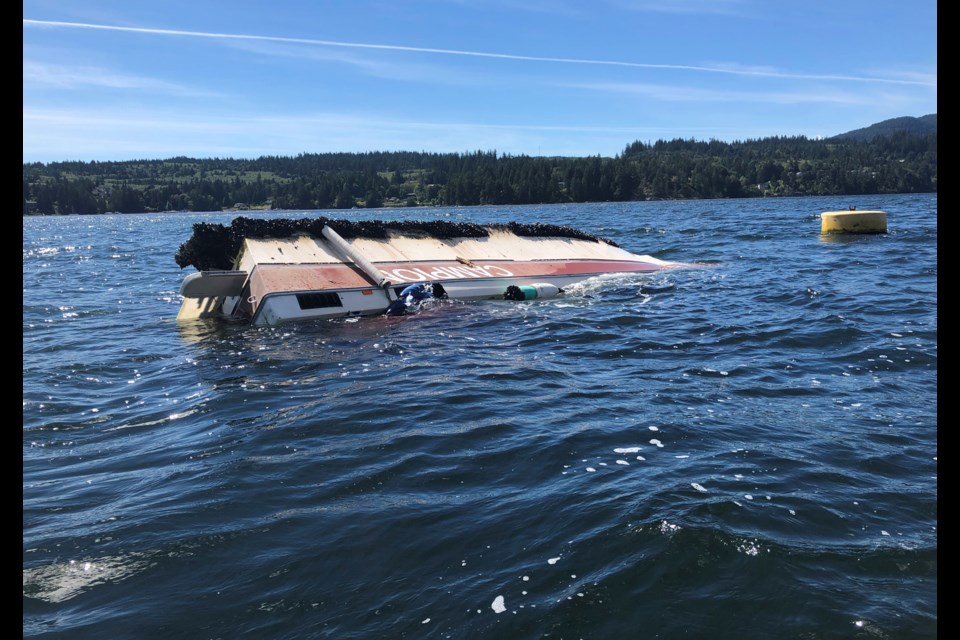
215, 246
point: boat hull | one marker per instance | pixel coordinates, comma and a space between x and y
280, 295
306, 277
285, 294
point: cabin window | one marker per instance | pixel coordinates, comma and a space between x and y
318, 300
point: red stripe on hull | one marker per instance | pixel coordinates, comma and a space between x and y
326, 277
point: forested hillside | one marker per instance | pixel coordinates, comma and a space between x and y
894, 162
919, 126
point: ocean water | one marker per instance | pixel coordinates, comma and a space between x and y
742, 449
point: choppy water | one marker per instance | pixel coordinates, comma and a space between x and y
744, 450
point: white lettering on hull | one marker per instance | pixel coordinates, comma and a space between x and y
417, 274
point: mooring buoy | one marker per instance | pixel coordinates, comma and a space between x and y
853, 221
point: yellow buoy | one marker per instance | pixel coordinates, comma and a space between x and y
853, 221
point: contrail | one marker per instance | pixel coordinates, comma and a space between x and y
475, 54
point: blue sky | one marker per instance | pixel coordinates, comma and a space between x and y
124, 80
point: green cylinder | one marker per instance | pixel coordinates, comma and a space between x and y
529, 293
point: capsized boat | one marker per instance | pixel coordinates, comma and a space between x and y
270, 272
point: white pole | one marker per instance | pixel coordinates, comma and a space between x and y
365, 265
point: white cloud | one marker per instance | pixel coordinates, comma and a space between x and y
114, 134
673, 93
730, 69
68, 77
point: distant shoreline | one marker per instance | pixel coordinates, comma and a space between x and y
674, 170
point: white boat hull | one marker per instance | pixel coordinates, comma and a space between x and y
275, 281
